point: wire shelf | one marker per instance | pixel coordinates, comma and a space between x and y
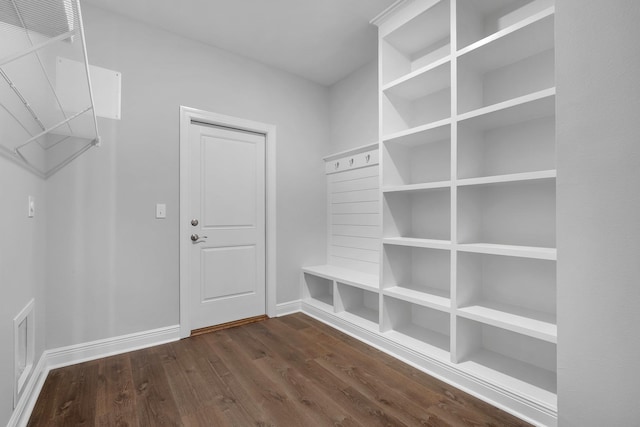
47, 113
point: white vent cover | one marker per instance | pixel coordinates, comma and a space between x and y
23, 345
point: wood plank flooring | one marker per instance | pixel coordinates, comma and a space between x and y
287, 371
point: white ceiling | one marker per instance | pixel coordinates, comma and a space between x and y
321, 40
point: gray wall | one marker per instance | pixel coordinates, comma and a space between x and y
598, 66
354, 109
112, 267
22, 258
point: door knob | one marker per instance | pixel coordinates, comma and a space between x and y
195, 237
194, 222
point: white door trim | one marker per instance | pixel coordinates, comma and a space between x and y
187, 115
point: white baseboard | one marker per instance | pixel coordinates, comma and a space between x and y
27, 401
288, 308
66, 356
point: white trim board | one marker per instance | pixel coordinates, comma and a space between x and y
71, 355
288, 308
187, 115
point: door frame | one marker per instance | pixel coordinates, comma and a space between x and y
187, 115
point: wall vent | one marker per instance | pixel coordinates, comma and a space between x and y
23, 348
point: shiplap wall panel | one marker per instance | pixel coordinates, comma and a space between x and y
354, 174
366, 183
355, 222
372, 231
356, 208
351, 264
355, 196
366, 255
356, 219
372, 244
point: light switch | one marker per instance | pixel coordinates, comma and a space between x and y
161, 210
32, 207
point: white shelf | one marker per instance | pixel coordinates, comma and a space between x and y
520, 378
529, 107
430, 132
418, 243
429, 297
416, 187
528, 37
515, 177
510, 114
422, 39
362, 316
422, 82
355, 278
508, 250
532, 323
323, 302
421, 340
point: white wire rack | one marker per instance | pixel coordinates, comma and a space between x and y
47, 114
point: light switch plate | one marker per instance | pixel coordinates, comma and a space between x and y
31, 207
161, 210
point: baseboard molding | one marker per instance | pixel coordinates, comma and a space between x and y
71, 355
288, 308
27, 401
519, 406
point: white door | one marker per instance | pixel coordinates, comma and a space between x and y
227, 193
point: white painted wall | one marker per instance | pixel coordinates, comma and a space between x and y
22, 260
354, 109
598, 81
113, 267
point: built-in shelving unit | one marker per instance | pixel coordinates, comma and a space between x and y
467, 194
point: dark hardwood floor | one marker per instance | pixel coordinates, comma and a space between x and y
288, 371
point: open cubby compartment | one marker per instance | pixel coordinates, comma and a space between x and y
360, 305
418, 158
318, 291
518, 363
424, 214
515, 214
516, 65
418, 275
514, 293
478, 19
517, 140
422, 40
406, 111
417, 327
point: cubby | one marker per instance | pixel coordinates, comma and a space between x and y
418, 275
404, 111
487, 148
417, 327
510, 214
418, 158
518, 363
358, 305
421, 214
479, 19
317, 291
518, 294
424, 39
504, 69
